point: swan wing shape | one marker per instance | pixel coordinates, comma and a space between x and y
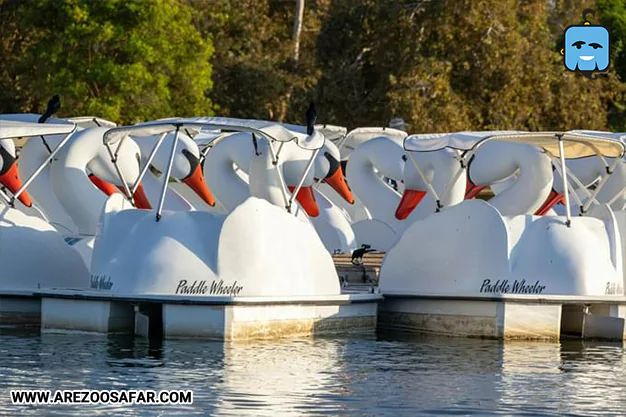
454, 252
48, 260
572, 260
257, 250
471, 249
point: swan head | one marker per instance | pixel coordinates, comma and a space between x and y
186, 166
329, 170
9, 174
293, 161
104, 176
445, 178
414, 190
531, 193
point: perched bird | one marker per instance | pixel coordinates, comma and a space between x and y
54, 104
357, 255
311, 118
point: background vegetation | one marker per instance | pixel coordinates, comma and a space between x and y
442, 65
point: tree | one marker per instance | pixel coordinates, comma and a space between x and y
125, 60
254, 71
455, 64
613, 16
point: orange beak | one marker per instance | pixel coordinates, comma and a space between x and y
410, 200
12, 181
141, 200
196, 182
105, 187
306, 199
338, 183
472, 189
553, 199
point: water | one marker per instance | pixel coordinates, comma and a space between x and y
381, 376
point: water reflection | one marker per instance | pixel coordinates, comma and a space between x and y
391, 375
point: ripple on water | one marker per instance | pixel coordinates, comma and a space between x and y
389, 376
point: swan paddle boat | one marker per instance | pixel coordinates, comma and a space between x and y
346, 144
34, 152
33, 253
379, 156
494, 269
227, 167
259, 271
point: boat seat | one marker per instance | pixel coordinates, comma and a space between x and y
367, 272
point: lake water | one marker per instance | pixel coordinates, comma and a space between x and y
382, 376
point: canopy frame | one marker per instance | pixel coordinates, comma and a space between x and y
585, 139
175, 125
11, 200
385, 131
616, 196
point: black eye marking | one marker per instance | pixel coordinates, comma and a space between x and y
193, 162
7, 160
578, 44
404, 158
334, 164
595, 45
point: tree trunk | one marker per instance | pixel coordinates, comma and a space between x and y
295, 37
297, 29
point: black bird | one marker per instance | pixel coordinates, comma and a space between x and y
54, 104
311, 118
357, 255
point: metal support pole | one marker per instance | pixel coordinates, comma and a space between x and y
148, 162
120, 174
578, 183
283, 186
428, 185
168, 172
32, 177
280, 148
573, 191
616, 196
119, 146
342, 142
9, 201
568, 213
309, 165
599, 187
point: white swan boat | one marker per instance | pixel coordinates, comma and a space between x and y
227, 165
347, 144
33, 253
257, 272
471, 270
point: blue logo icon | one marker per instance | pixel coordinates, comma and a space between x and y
586, 48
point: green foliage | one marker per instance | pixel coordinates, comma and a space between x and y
253, 73
455, 64
441, 65
125, 60
613, 16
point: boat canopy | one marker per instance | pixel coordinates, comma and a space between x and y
559, 145
576, 144
330, 132
91, 121
192, 126
362, 134
209, 129
10, 129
